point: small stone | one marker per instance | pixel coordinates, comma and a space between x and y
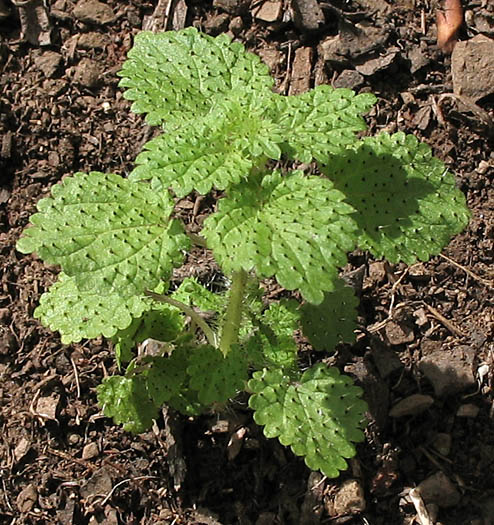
90, 451
411, 405
449, 371
48, 63
233, 7
349, 78
236, 25
74, 439
21, 449
468, 410
440, 490
379, 63
92, 40
87, 73
47, 407
308, 15
216, 24
349, 499
27, 498
473, 68
93, 12
398, 334
442, 443
269, 11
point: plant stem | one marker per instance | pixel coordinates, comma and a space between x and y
231, 326
187, 310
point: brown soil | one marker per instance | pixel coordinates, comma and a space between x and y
61, 461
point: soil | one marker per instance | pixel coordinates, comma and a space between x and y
62, 112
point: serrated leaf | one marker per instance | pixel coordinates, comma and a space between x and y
125, 399
408, 207
273, 344
192, 293
333, 321
166, 377
177, 76
297, 228
319, 416
84, 315
161, 322
215, 377
322, 121
110, 234
217, 150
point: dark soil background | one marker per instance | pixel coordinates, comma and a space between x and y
424, 353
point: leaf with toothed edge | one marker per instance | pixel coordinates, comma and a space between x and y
176, 76
318, 415
110, 234
85, 315
296, 228
321, 122
407, 205
217, 150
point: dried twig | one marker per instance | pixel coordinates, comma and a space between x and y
474, 276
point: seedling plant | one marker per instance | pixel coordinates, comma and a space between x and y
117, 240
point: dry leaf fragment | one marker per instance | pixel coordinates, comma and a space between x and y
449, 20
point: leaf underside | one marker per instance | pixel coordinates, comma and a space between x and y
176, 76
407, 205
296, 228
319, 416
333, 321
110, 234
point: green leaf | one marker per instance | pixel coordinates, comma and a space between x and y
215, 377
167, 376
273, 345
408, 207
333, 321
177, 76
126, 400
112, 235
319, 416
192, 293
322, 121
84, 315
217, 150
295, 227
161, 322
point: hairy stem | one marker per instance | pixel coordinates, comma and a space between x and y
187, 310
231, 326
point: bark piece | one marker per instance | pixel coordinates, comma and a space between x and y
301, 71
27, 498
49, 63
35, 21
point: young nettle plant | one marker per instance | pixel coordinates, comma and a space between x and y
117, 242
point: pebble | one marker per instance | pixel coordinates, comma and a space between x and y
93, 12
398, 333
473, 68
439, 489
411, 405
442, 443
270, 11
468, 410
90, 451
349, 499
48, 63
87, 73
450, 371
